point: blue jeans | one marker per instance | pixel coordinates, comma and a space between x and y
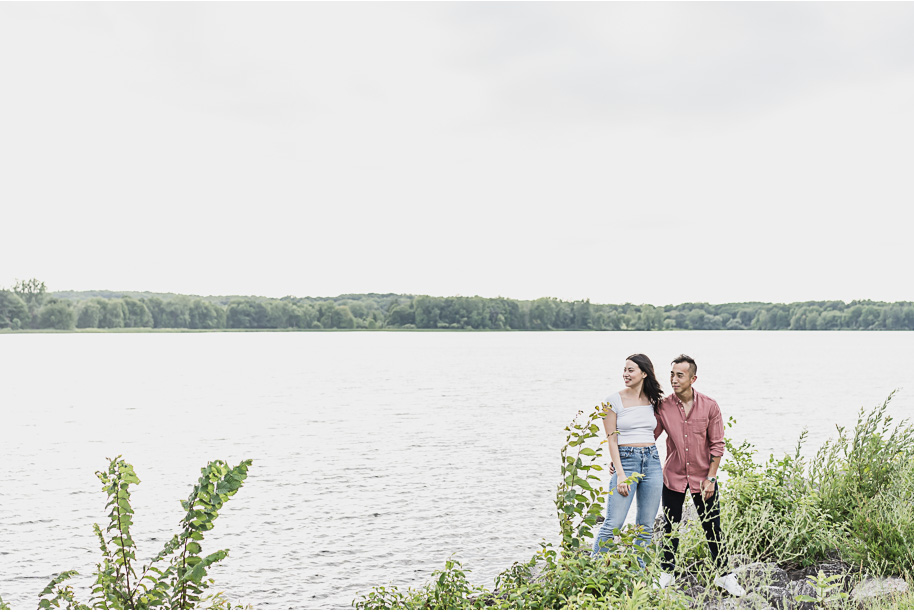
644, 460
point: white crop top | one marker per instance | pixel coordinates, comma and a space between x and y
635, 424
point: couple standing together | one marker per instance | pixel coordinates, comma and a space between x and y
635, 418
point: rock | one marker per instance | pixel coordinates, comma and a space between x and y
753, 601
698, 593
658, 527
710, 602
754, 575
739, 560
779, 597
870, 588
834, 568
801, 587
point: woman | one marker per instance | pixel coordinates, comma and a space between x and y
631, 416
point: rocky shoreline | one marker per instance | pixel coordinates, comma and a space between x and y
772, 587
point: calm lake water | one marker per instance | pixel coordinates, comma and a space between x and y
376, 455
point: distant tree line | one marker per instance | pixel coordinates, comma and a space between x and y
28, 305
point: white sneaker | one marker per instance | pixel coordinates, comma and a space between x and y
664, 581
730, 585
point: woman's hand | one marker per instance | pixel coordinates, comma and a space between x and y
623, 487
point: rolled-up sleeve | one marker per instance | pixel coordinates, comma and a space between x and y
715, 431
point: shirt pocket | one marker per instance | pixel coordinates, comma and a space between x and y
698, 427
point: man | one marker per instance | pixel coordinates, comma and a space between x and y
694, 447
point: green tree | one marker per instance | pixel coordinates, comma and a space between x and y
33, 292
697, 319
245, 313
428, 312
136, 313
56, 314
89, 314
113, 313
542, 313
176, 312
869, 317
202, 314
13, 310
830, 319
342, 318
156, 308
401, 315
812, 320
582, 314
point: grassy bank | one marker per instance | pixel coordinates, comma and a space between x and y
825, 524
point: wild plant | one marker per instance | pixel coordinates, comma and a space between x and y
866, 484
848, 470
772, 512
182, 582
449, 589
580, 493
579, 496
828, 589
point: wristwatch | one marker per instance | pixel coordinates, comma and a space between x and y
712, 479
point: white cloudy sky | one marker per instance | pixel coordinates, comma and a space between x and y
646, 152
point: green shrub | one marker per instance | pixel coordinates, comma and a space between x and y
772, 512
178, 585
866, 486
881, 531
849, 469
578, 502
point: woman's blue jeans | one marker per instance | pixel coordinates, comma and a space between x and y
647, 491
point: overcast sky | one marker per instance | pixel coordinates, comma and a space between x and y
648, 153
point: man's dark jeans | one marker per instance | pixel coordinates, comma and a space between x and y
708, 512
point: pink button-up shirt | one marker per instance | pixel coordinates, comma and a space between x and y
691, 441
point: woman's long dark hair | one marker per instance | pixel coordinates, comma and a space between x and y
652, 388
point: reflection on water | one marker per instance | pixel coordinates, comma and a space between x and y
376, 455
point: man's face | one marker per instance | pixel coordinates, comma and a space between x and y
680, 378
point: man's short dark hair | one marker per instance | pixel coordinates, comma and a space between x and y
693, 367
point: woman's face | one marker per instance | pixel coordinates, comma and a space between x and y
632, 374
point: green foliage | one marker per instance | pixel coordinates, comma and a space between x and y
59, 594
56, 314
178, 585
849, 471
13, 310
867, 483
392, 311
829, 592
854, 497
615, 580
449, 589
579, 495
772, 511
